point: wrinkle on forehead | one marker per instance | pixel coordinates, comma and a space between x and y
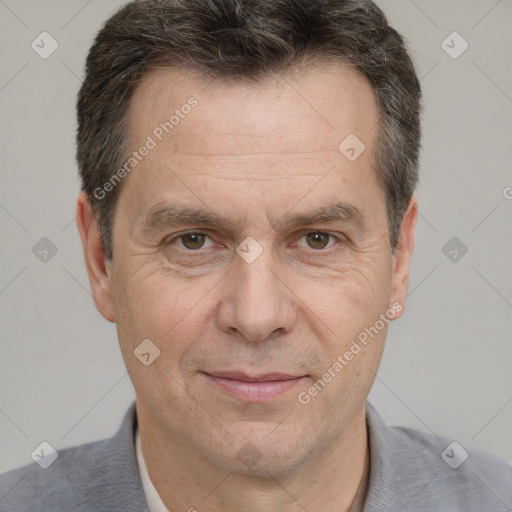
294, 116
254, 146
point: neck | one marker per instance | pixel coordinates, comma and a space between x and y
186, 481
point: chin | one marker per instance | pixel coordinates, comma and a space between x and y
274, 454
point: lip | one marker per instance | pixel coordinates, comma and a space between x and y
254, 388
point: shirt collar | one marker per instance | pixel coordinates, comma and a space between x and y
380, 494
155, 503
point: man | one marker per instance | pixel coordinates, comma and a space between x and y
247, 220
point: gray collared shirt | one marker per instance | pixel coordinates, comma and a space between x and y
409, 472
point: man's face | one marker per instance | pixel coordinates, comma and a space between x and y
260, 161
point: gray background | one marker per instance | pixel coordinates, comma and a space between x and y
447, 368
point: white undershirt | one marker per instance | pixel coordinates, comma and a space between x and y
155, 503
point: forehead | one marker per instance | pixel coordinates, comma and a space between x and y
298, 113
268, 139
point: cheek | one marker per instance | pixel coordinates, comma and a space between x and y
340, 387
343, 305
173, 315
347, 317
152, 304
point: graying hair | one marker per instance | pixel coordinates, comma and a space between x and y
246, 40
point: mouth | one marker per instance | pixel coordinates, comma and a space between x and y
254, 388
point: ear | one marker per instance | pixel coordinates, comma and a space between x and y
96, 262
403, 254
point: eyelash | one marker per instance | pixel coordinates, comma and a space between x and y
178, 237
181, 235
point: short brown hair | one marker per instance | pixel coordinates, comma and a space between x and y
245, 39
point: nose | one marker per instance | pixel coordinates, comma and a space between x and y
257, 304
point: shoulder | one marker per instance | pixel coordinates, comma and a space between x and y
433, 473
456, 464
101, 475
35, 487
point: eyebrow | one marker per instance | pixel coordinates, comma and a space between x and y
337, 212
164, 215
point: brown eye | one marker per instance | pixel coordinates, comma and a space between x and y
318, 240
193, 241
